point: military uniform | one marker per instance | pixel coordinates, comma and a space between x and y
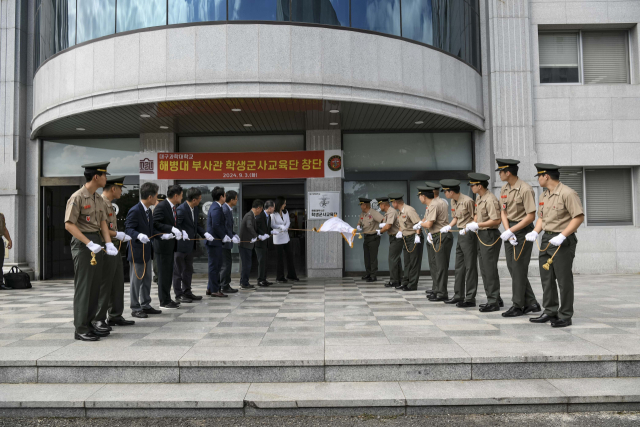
2, 228
518, 201
438, 212
395, 245
369, 222
431, 254
412, 251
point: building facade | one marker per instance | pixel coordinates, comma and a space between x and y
403, 90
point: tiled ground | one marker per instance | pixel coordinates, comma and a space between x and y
345, 316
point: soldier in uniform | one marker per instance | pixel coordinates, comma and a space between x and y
84, 219
486, 225
559, 216
431, 254
111, 299
463, 213
411, 243
518, 213
368, 225
391, 226
4, 232
436, 222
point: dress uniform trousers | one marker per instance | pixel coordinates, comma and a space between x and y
466, 268
86, 283
111, 297
442, 244
522, 293
412, 261
559, 275
488, 256
371, 245
431, 255
395, 260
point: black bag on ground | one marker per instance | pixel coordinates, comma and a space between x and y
17, 279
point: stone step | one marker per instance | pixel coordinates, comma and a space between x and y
320, 398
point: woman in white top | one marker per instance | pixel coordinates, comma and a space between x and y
280, 221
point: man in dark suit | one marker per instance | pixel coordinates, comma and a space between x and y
263, 225
248, 236
188, 214
231, 200
216, 227
139, 225
165, 219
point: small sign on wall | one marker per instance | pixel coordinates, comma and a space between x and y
323, 204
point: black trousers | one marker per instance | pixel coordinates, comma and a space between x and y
214, 253
261, 253
182, 273
370, 246
291, 270
165, 275
1, 262
225, 268
245, 262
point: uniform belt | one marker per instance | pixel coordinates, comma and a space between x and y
435, 234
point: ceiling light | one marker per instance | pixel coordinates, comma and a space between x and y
80, 129
333, 124
164, 127
145, 116
419, 122
235, 110
334, 111
247, 125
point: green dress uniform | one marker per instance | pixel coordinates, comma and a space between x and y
369, 222
518, 201
487, 209
557, 209
395, 245
2, 228
438, 212
411, 250
86, 211
431, 253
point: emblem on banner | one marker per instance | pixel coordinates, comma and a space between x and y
335, 163
146, 166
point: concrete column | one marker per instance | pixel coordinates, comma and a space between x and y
152, 143
324, 250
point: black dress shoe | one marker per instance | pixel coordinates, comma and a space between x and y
390, 285
453, 301
488, 308
533, 308
267, 282
120, 321
8, 288
98, 333
281, 281
500, 303
218, 295
195, 297
101, 325
544, 318
262, 284
151, 310
139, 314
229, 290
435, 298
463, 304
408, 289
86, 337
168, 306
561, 323
293, 279
184, 299
399, 285
513, 312
365, 277
372, 279
208, 292
247, 287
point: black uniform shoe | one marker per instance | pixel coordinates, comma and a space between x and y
208, 292
263, 284
267, 282
500, 303
229, 290
293, 279
86, 337
544, 318
533, 308
98, 333
365, 277
435, 298
408, 289
101, 325
247, 287
151, 310
8, 288
195, 297
402, 288
168, 306
372, 279
513, 312
463, 304
453, 301
561, 323
488, 308
399, 286
281, 280
390, 285
120, 321
184, 299
139, 314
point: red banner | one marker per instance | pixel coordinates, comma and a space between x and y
221, 166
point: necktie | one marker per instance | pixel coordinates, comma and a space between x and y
148, 215
175, 217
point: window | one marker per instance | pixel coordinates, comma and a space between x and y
182, 11
135, 14
574, 178
609, 196
327, 12
588, 57
123, 153
242, 143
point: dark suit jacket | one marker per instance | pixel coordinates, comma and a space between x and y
228, 225
215, 225
185, 222
135, 224
248, 230
263, 226
164, 221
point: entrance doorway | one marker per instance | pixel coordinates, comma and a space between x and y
57, 261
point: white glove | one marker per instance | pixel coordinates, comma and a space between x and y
507, 235
399, 235
126, 238
121, 236
263, 237
275, 232
208, 236
378, 233
283, 228
143, 238
358, 228
558, 240
169, 236
226, 239
473, 227
235, 239
531, 237
381, 225
462, 231
430, 238
513, 241
177, 233
445, 229
254, 240
94, 247
417, 226
185, 235
111, 250
417, 239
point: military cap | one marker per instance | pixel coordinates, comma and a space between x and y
433, 184
395, 196
424, 189
364, 200
161, 197
116, 180
506, 163
477, 178
545, 168
448, 183
96, 167
383, 199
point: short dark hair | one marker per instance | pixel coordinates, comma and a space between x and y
428, 194
257, 203
513, 169
216, 193
148, 189
280, 201
193, 193
174, 190
108, 186
554, 175
230, 195
485, 184
455, 189
89, 175
268, 204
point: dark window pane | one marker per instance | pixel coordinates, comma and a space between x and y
47, 24
96, 18
448, 26
259, 10
183, 11
135, 14
559, 75
327, 12
382, 16
65, 31
416, 20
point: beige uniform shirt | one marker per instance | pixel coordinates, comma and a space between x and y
408, 218
110, 216
558, 208
85, 210
488, 208
391, 218
464, 209
369, 221
517, 201
439, 214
